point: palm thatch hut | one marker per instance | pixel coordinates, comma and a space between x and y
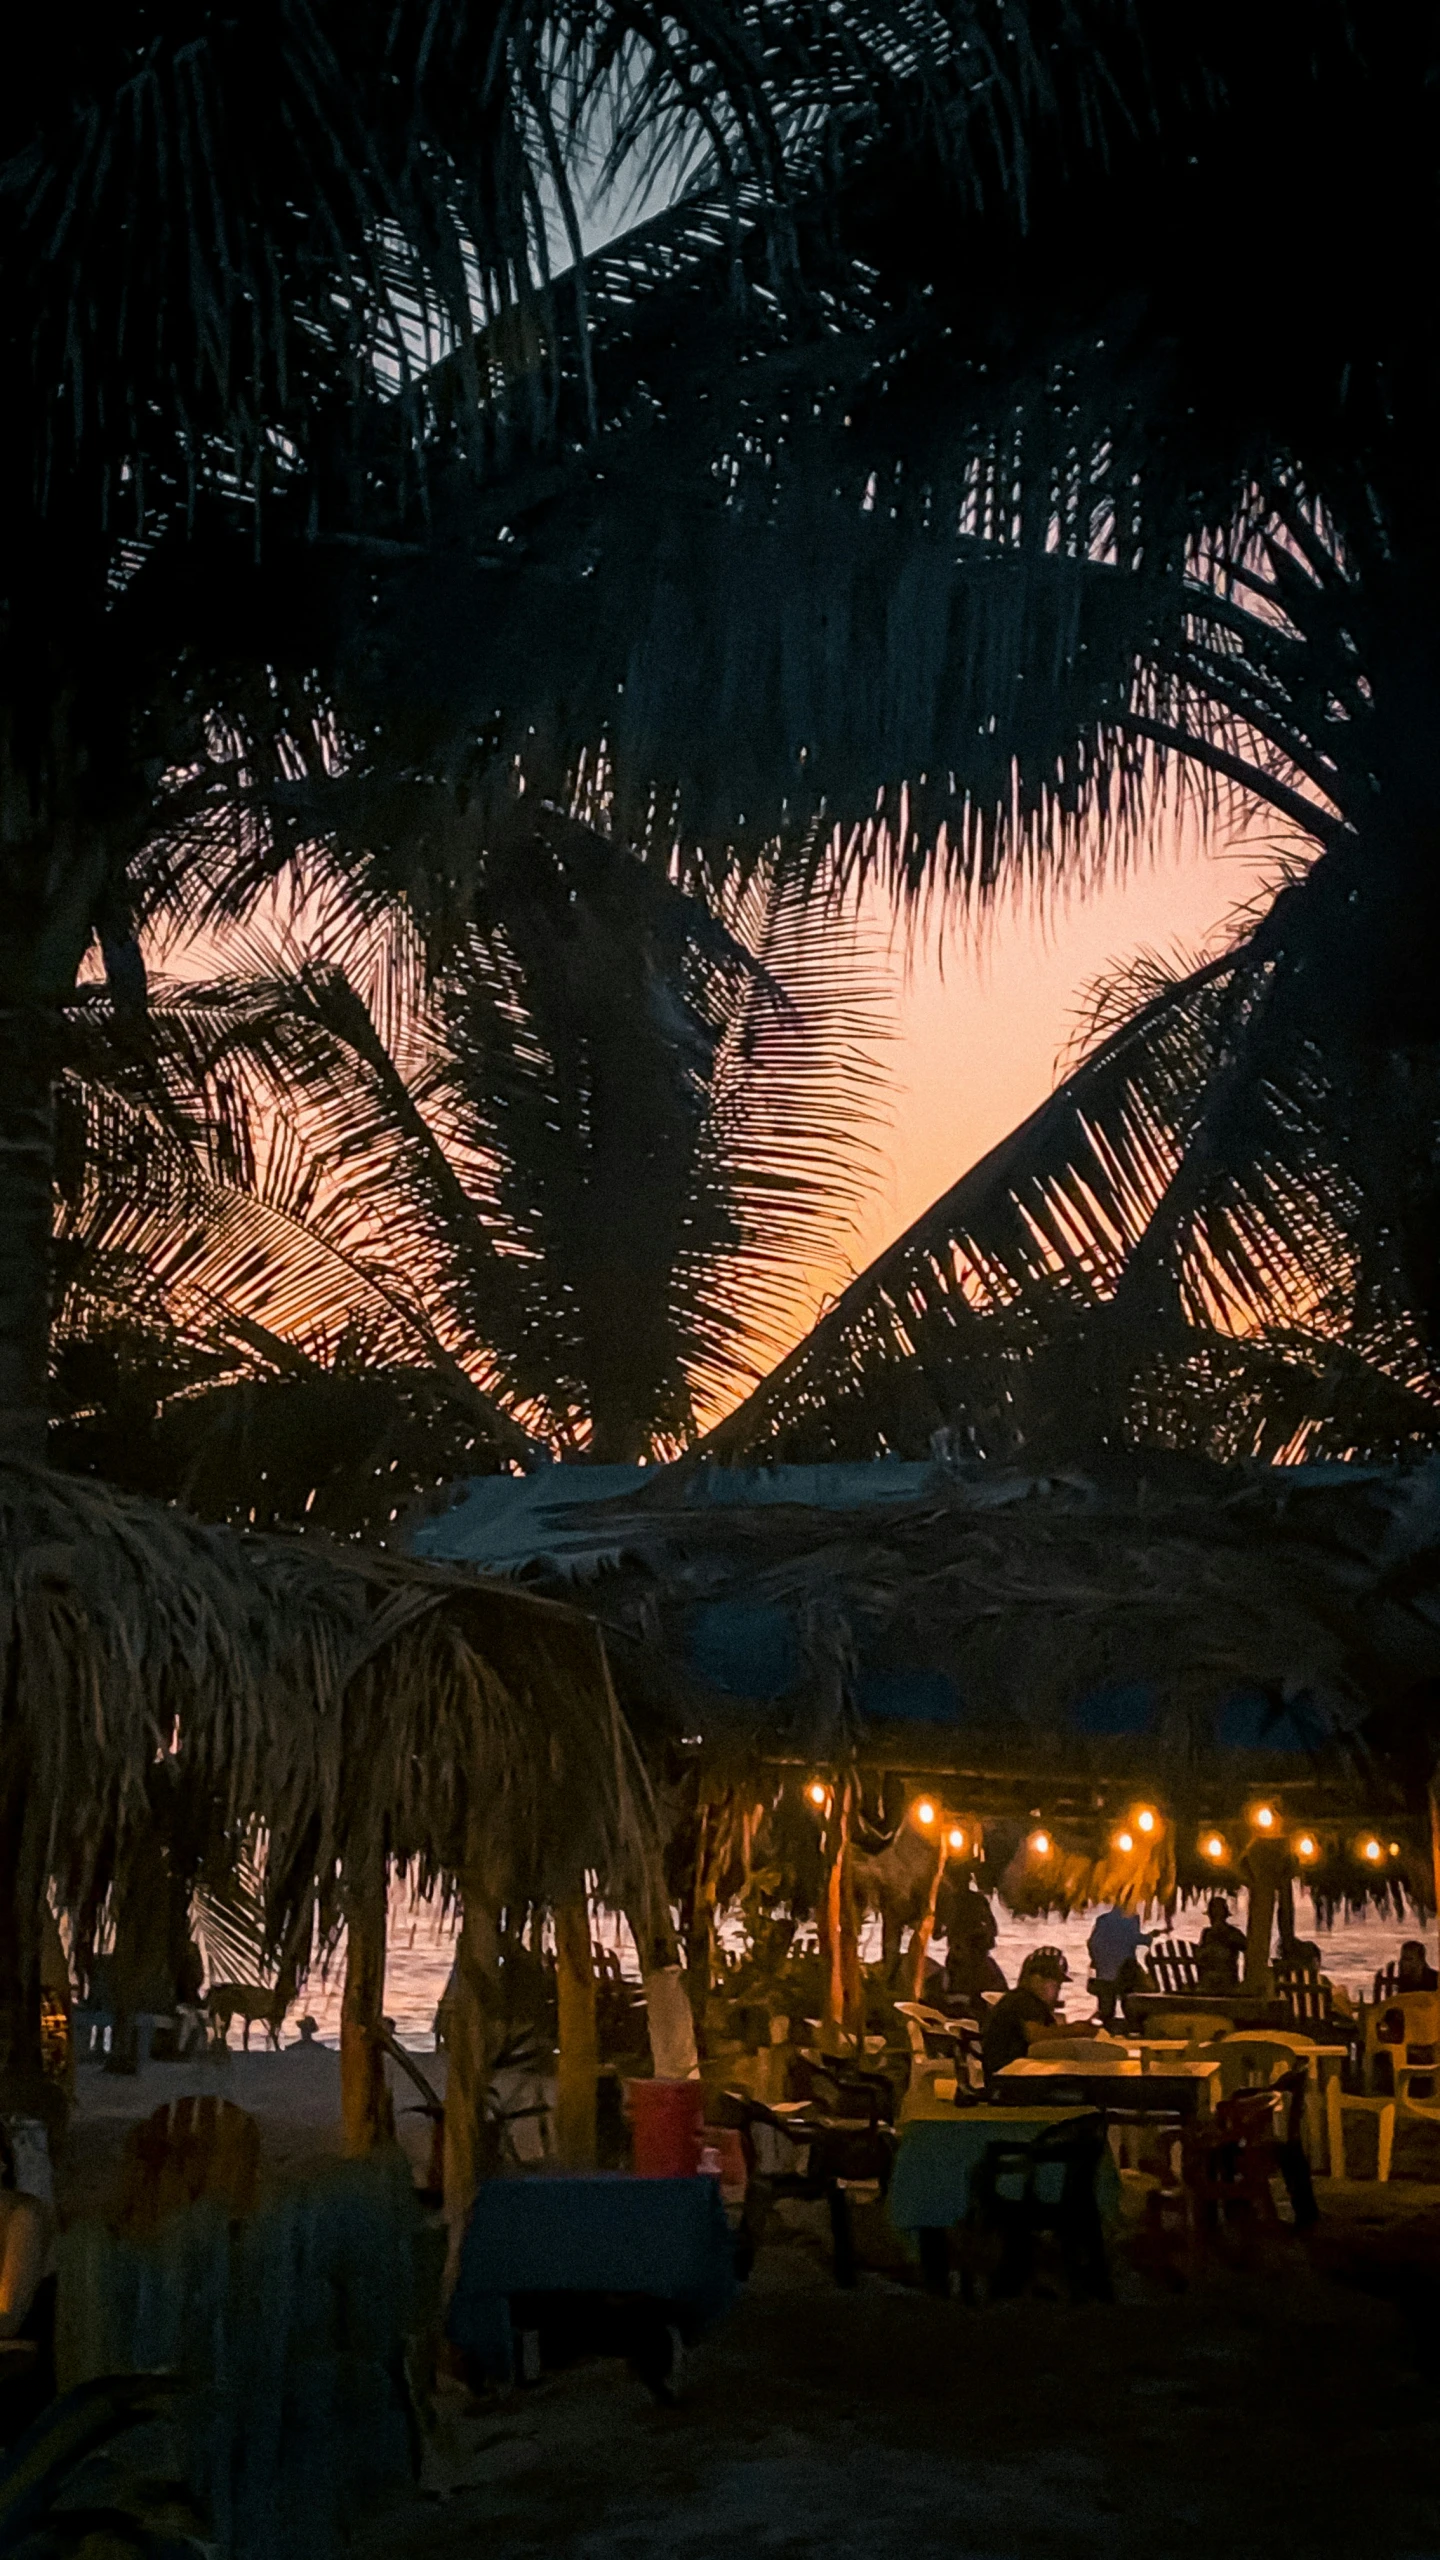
1129, 1682
174, 1692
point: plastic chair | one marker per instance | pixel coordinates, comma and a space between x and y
192, 2148
1227, 2167
1402, 2034
838, 2154
1309, 2001
927, 2028
1172, 1961
1022, 2189
1190, 2026
1340, 2103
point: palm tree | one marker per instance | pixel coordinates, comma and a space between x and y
337, 1229
1066, 525
234, 246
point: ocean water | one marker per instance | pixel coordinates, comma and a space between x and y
422, 1945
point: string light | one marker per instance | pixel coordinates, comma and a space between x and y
1214, 1846
1040, 1843
925, 1812
1264, 1817
1372, 1850
1125, 1840
1144, 1819
1394, 1848
816, 1791
956, 1839
1305, 1846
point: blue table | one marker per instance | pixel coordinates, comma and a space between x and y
537, 2249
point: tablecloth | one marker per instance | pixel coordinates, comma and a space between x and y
930, 2182
665, 2238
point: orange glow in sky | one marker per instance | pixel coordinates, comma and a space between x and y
982, 1024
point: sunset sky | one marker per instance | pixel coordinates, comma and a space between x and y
979, 1028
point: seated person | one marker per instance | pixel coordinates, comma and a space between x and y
1221, 1947
1027, 2016
970, 1966
1415, 1972
1113, 1946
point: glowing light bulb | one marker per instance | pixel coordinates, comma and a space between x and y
1145, 1819
1305, 1846
956, 1839
1040, 1843
1214, 1846
1394, 1848
1125, 1840
1265, 1818
816, 1791
925, 1811
1371, 1849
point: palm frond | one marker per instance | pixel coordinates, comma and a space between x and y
618, 1141
1183, 1244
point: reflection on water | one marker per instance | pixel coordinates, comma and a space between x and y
422, 1945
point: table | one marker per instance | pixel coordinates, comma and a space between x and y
941, 2148
661, 2245
1172, 2086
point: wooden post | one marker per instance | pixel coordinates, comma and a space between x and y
1265, 1866
1285, 1914
579, 2048
473, 2042
367, 2111
920, 1942
1435, 1843
842, 2024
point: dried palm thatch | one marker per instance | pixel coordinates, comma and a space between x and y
478, 1733
338, 1702
1154, 1630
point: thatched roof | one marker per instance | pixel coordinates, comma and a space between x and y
333, 1697
1151, 1627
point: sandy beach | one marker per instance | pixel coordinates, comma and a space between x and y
1291, 2408
294, 2096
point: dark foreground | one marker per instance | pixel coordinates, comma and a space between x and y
1287, 2409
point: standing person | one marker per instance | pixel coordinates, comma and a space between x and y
1027, 2015
1221, 1948
1113, 1946
970, 1966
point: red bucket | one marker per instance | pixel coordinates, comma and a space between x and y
665, 2121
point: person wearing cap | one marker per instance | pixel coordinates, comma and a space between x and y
1026, 2016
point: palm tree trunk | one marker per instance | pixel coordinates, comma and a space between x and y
27, 1163
579, 2047
669, 2018
1265, 1866
473, 2041
367, 2111
21, 2074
